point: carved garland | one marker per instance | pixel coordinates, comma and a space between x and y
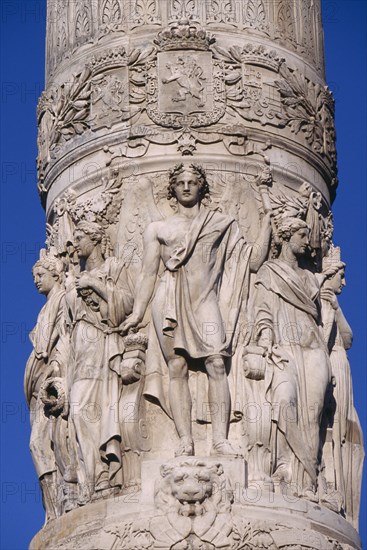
63, 113
308, 108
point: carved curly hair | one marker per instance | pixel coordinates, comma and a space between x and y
98, 235
197, 170
53, 264
289, 226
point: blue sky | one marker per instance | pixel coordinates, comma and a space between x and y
23, 227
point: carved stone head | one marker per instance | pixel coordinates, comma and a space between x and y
198, 174
87, 236
332, 262
289, 226
47, 272
294, 236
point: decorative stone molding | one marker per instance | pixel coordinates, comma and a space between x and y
256, 16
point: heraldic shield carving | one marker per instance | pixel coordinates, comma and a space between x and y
185, 85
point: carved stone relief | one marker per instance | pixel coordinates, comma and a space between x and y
193, 502
103, 257
308, 17
343, 447
282, 20
98, 97
187, 83
77, 391
250, 82
145, 12
63, 112
308, 108
110, 99
82, 21
62, 34
205, 226
183, 9
111, 16
220, 12
285, 22
48, 359
255, 16
194, 76
287, 386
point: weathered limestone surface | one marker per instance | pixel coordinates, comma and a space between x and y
189, 385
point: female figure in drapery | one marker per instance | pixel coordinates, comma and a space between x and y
48, 359
289, 330
97, 300
343, 450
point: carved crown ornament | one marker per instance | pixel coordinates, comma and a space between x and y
261, 56
110, 58
184, 35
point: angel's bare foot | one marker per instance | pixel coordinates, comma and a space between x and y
186, 447
223, 448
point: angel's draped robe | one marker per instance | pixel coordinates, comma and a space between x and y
205, 325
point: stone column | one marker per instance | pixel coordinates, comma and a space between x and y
235, 92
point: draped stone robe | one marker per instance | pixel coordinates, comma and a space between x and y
207, 325
93, 381
298, 371
344, 463
45, 338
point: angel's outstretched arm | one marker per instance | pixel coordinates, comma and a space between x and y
146, 281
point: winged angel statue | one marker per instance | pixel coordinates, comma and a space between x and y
195, 273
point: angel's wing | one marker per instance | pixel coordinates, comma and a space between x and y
231, 194
138, 210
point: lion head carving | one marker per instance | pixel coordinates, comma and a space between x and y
192, 488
